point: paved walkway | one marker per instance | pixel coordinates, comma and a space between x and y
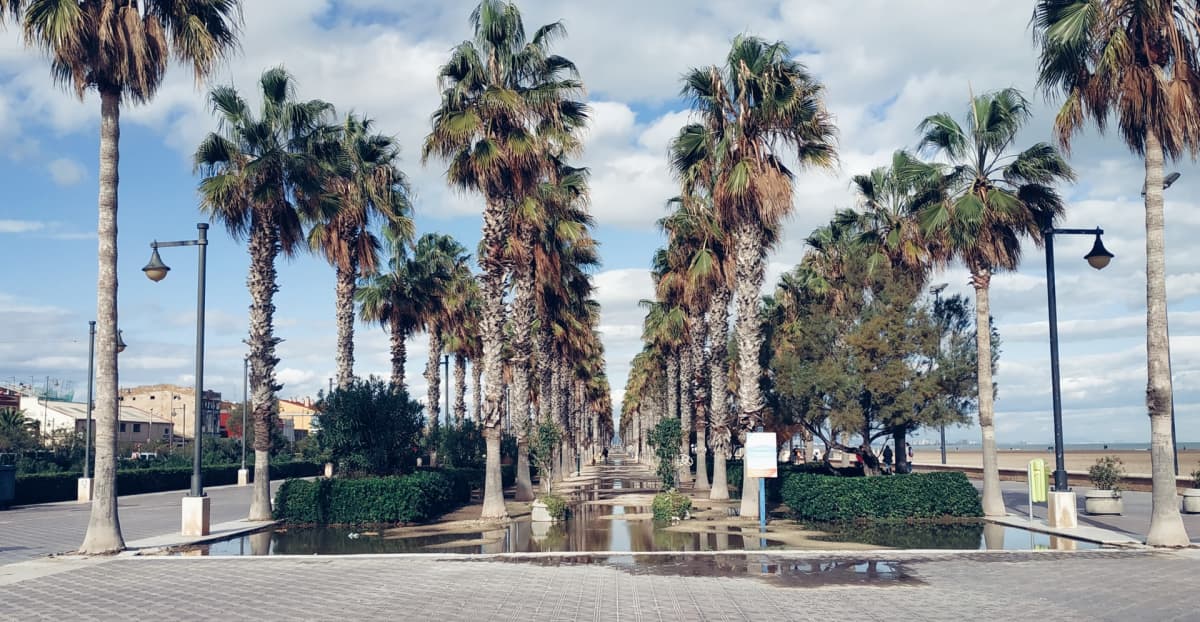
33, 531
1135, 520
1106, 585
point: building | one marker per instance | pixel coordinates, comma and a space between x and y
177, 404
133, 426
299, 415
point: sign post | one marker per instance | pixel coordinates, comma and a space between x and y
762, 462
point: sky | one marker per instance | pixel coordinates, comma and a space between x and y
885, 65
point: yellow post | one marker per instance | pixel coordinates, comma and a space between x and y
1037, 484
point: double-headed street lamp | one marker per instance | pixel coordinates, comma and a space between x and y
1097, 258
195, 509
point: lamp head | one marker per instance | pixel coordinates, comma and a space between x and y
937, 289
156, 270
1170, 179
1099, 256
120, 343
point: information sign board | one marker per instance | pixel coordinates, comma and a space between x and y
761, 455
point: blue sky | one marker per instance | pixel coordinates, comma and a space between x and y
886, 65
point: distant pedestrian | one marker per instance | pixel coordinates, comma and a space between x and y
604, 455
887, 458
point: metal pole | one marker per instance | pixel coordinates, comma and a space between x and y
1060, 470
245, 397
87, 441
202, 239
937, 298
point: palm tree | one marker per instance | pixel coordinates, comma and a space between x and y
995, 198
388, 299
440, 262
497, 88
752, 112
263, 178
1137, 60
365, 185
463, 335
121, 49
16, 431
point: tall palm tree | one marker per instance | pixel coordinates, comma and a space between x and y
365, 185
388, 299
756, 109
1137, 60
462, 335
995, 198
441, 263
497, 89
120, 49
262, 178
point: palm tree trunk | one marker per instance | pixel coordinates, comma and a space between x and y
399, 351
672, 386
477, 390
993, 502
460, 389
491, 329
104, 526
700, 395
749, 265
433, 376
1166, 525
686, 407
344, 293
546, 386
264, 246
522, 320
718, 381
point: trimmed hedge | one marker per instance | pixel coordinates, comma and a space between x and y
733, 471
413, 498
50, 487
917, 495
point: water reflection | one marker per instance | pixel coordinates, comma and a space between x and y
971, 535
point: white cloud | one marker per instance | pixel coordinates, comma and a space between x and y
66, 172
21, 226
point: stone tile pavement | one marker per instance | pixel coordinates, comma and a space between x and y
1107, 585
34, 531
1134, 521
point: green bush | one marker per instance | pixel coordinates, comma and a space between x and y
461, 446
413, 498
733, 471
370, 427
670, 505
665, 439
50, 487
918, 495
556, 506
1107, 474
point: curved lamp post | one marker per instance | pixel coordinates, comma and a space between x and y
195, 505
84, 488
1098, 258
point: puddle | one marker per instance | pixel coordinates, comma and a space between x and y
963, 536
794, 573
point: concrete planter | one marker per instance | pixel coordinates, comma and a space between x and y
539, 513
1103, 502
1191, 501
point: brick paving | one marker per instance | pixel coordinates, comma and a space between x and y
1112, 585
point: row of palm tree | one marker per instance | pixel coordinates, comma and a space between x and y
508, 122
978, 199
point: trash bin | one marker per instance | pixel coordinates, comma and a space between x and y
8, 485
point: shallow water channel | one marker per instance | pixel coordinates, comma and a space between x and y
615, 528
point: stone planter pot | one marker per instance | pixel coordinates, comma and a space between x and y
539, 513
1191, 501
1103, 502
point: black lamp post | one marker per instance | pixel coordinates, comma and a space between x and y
1097, 258
245, 398
446, 364
156, 271
87, 436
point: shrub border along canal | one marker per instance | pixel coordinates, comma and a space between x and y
894, 497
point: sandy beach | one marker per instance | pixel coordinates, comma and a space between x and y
1137, 462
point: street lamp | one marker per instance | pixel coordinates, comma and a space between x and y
84, 489
195, 505
1098, 258
936, 290
446, 364
243, 473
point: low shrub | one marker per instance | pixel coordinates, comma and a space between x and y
51, 487
413, 498
733, 471
1107, 474
670, 505
917, 495
556, 506
1196, 478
